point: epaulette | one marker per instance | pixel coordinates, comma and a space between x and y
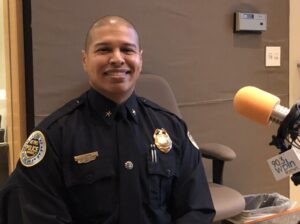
66, 109
156, 106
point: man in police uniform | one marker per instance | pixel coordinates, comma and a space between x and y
110, 156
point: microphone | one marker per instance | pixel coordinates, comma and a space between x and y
264, 108
259, 106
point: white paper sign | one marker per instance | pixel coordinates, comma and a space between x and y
285, 164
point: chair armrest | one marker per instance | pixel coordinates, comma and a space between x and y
219, 154
217, 151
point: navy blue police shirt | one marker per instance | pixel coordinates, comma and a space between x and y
99, 163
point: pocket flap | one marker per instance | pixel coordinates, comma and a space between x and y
165, 165
88, 173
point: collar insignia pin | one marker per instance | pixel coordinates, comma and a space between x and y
108, 113
134, 112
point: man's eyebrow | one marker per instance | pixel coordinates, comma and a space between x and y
101, 44
108, 44
130, 45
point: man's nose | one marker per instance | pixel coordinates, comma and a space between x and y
117, 58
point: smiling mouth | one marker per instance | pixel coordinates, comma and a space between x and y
117, 72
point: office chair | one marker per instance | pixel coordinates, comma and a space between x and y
227, 201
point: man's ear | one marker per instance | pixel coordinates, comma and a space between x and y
141, 60
83, 59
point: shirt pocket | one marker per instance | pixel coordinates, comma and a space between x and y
162, 170
91, 188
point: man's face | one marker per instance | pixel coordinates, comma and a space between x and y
113, 60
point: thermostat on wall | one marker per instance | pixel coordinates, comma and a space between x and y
250, 22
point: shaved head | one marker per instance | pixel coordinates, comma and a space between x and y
112, 57
107, 21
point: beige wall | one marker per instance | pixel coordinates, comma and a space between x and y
229, 61
294, 76
192, 45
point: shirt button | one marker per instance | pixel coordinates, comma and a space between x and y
90, 178
128, 165
169, 172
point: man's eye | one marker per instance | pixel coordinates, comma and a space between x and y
103, 50
128, 50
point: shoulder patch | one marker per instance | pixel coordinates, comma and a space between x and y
34, 149
192, 140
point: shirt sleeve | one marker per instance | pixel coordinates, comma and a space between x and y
192, 201
41, 189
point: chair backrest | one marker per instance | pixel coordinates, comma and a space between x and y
157, 89
227, 201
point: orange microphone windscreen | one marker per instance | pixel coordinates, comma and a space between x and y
255, 104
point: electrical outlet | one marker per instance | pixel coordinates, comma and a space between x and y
273, 56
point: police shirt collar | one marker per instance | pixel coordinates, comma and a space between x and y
131, 107
107, 108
